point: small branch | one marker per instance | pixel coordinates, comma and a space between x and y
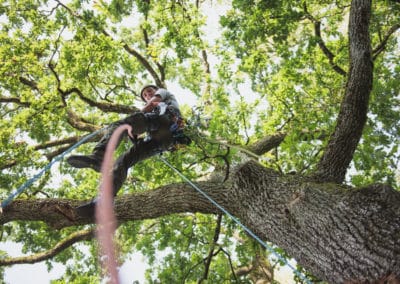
211, 253
146, 64
8, 164
82, 235
381, 47
60, 142
14, 101
102, 106
130, 50
321, 43
29, 83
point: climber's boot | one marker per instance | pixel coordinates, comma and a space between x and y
92, 161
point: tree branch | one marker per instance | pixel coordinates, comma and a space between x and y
14, 101
8, 164
381, 47
102, 106
75, 237
130, 50
267, 143
353, 110
29, 83
212, 248
78, 123
60, 142
169, 199
321, 43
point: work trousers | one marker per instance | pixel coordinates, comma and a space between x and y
161, 139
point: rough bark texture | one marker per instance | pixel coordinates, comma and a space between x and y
337, 233
353, 110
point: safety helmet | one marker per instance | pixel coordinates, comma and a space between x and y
145, 87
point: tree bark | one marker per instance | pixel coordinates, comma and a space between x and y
337, 233
353, 110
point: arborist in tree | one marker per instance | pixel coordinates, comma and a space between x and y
160, 118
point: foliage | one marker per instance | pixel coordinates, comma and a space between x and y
65, 65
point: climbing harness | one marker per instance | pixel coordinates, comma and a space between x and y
253, 235
28, 183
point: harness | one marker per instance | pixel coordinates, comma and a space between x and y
176, 128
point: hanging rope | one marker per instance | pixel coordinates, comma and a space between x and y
253, 235
104, 210
29, 182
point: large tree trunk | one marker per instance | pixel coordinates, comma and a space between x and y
337, 233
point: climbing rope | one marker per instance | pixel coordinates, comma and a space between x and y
253, 235
104, 210
29, 182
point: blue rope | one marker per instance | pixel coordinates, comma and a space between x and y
264, 244
28, 183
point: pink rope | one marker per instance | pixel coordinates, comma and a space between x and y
105, 217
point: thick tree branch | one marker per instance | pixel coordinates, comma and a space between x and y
270, 142
267, 143
75, 237
169, 199
60, 142
75, 121
353, 110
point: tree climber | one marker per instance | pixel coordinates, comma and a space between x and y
160, 118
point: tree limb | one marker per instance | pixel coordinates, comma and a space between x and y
75, 237
169, 199
321, 43
267, 143
212, 248
353, 110
31, 84
60, 142
146, 64
381, 47
102, 106
75, 121
14, 101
